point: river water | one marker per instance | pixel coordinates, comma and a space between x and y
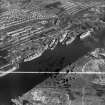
14, 85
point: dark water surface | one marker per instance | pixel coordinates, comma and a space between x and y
57, 59
14, 85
